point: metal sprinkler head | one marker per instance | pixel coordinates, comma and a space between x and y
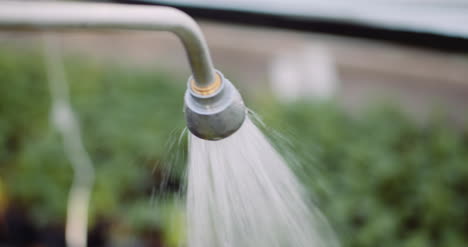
213, 112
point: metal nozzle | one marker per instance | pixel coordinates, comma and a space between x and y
215, 112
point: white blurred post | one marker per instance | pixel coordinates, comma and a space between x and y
64, 120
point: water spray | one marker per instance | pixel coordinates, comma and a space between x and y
213, 107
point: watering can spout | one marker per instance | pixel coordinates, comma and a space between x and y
216, 112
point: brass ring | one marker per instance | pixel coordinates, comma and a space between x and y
213, 87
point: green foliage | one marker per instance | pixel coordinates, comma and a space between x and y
129, 122
381, 179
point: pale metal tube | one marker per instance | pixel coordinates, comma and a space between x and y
58, 15
214, 108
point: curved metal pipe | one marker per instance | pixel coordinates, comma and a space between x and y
57, 15
213, 107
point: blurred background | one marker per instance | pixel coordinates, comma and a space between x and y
370, 98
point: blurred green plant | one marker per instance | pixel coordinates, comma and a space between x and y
381, 179
131, 123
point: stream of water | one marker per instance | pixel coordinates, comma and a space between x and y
241, 193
